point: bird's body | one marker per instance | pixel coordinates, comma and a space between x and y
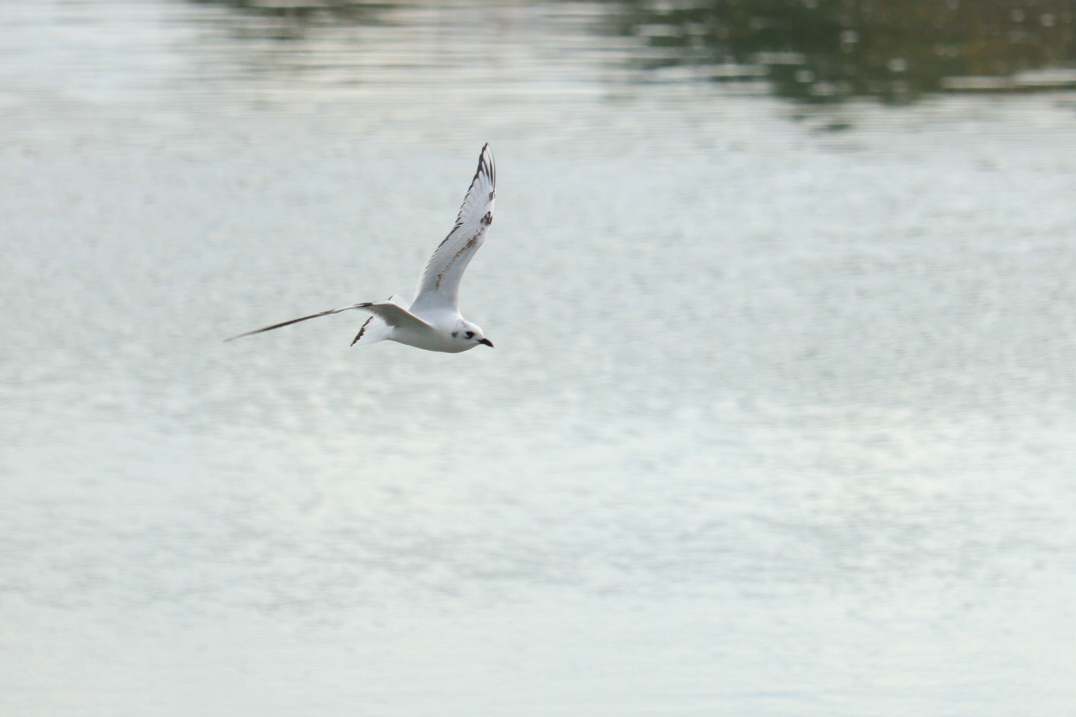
432, 321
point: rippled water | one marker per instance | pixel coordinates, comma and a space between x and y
780, 419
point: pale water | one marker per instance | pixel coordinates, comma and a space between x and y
781, 418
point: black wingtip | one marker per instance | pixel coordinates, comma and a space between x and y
485, 161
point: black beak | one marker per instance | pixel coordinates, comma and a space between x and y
487, 342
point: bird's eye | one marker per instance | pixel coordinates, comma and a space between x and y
469, 334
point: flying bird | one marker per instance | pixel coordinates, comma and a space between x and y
433, 320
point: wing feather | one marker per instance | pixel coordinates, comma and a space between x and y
388, 311
295, 321
438, 286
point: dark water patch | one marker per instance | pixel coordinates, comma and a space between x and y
827, 50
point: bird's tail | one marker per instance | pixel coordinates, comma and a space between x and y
374, 329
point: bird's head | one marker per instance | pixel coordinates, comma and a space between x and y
470, 334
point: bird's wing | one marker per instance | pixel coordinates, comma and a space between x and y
389, 312
438, 287
394, 315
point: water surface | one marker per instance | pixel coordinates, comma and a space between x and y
780, 418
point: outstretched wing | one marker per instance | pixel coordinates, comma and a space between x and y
389, 312
439, 285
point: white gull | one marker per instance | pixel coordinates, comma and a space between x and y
433, 320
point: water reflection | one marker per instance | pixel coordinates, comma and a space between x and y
814, 50
291, 20
824, 50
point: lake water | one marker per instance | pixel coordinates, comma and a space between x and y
781, 418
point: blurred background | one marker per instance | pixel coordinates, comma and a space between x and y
781, 418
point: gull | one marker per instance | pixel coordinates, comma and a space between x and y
432, 321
